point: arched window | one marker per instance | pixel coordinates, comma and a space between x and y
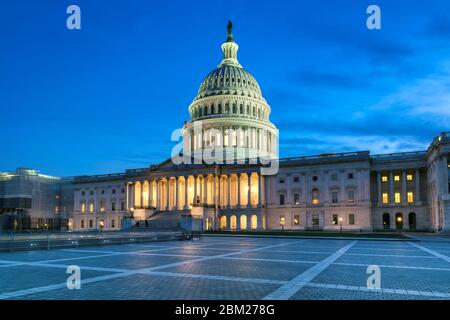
254, 222
223, 222
220, 108
315, 196
233, 222
412, 220
386, 221
399, 221
243, 222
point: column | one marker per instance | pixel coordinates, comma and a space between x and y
380, 200
404, 200
213, 191
229, 191
142, 194
259, 190
150, 193
219, 193
158, 194
417, 183
168, 193
249, 191
194, 201
239, 190
186, 192
177, 180
205, 190
391, 187
132, 196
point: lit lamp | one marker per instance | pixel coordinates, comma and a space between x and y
399, 221
340, 222
282, 222
102, 224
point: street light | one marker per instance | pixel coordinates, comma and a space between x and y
399, 221
340, 222
282, 222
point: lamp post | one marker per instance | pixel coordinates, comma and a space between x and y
282, 222
340, 223
399, 221
102, 224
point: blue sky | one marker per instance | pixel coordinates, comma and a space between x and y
107, 97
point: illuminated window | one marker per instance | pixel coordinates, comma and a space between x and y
91, 207
315, 196
351, 196
396, 178
384, 178
385, 198
296, 198
410, 197
409, 177
397, 197
335, 219
102, 206
83, 207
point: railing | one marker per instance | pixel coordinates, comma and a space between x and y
14, 241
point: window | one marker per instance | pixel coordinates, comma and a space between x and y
315, 178
82, 224
397, 197
113, 223
281, 180
90, 224
83, 207
91, 193
351, 175
113, 191
410, 196
296, 220
384, 178
335, 219
351, 196
315, 196
122, 191
113, 206
334, 177
122, 206
103, 191
281, 199
91, 206
385, 198
334, 197
409, 177
351, 219
102, 206
296, 179
397, 178
83, 193
296, 198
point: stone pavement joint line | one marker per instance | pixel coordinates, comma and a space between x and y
432, 252
289, 289
25, 292
382, 290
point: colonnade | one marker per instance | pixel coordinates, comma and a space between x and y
225, 191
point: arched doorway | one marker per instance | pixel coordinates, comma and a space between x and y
223, 223
399, 221
386, 221
254, 222
412, 220
243, 222
233, 222
209, 224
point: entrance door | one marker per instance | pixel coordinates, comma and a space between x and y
399, 221
412, 221
386, 221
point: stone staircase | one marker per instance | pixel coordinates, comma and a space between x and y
162, 221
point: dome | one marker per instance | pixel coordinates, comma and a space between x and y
229, 80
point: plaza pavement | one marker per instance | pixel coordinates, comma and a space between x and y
233, 268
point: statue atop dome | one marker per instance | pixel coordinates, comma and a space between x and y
230, 31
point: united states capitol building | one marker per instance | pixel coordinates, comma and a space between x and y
227, 172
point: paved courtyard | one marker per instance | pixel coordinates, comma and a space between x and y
233, 268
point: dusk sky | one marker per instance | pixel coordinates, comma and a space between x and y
107, 97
